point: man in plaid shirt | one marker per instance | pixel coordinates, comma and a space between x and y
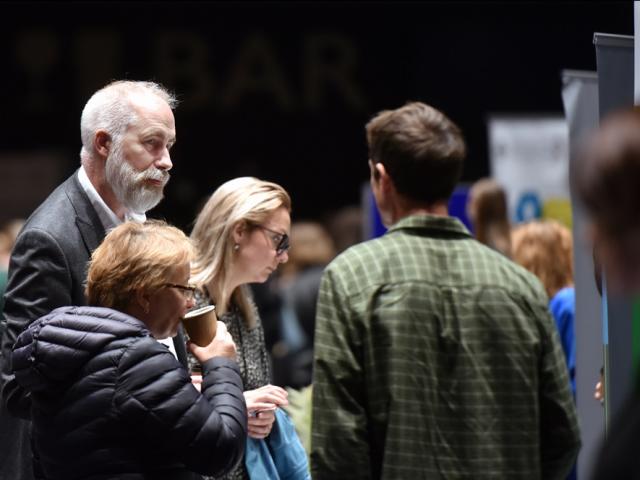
435, 356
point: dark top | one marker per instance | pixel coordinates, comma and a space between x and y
253, 358
47, 270
302, 295
109, 401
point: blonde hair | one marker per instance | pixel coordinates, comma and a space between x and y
134, 257
244, 200
545, 248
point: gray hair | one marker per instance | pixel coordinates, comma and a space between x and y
110, 109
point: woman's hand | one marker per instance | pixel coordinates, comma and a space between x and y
261, 405
260, 423
222, 345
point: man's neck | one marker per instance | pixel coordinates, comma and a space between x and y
439, 209
403, 209
98, 179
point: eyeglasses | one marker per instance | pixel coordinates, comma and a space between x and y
280, 240
188, 291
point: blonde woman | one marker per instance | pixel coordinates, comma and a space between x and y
242, 236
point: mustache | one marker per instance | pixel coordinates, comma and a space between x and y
153, 173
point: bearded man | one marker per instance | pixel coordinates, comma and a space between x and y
127, 130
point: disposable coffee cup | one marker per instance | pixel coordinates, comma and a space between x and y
201, 325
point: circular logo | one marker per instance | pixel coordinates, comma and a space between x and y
529, 207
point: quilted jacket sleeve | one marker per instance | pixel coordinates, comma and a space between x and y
39, 281
154, 394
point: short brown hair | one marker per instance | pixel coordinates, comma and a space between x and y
607, 176
134, 257
489, 215
421, 149
545, 248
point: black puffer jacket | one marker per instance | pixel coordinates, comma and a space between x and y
109, 401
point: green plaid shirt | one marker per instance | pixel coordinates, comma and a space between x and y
436, 357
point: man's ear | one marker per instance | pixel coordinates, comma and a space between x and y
382, 177
102, 143
373, 170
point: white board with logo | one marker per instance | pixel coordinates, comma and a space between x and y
529, 157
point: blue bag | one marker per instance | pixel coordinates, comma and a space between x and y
280, 456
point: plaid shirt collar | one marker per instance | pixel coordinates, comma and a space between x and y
438, 224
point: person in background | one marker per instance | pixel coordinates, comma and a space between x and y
545, 248
312, 249
108, 399
607, 184
299, 282
345, 226
435, 356
488, 214
127, 129
242, 236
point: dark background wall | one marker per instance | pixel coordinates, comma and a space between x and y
282, 90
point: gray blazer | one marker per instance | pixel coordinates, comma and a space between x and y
48, 270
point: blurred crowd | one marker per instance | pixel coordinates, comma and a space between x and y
287, 301
428, 352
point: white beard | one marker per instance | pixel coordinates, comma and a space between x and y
130, 185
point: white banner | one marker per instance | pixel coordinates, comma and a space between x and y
529, 157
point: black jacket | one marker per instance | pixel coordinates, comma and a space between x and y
47, 270
109, 401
